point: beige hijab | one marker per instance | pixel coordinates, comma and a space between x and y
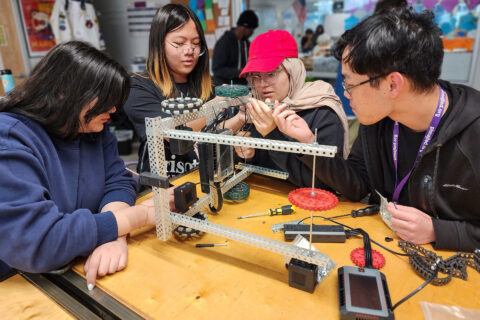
308, 95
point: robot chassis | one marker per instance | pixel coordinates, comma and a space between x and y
158, 129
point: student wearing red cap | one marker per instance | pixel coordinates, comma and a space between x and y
276, 74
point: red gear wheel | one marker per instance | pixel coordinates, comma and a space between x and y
318, 200
358, 257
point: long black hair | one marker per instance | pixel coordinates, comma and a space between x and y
168, 18
65, 81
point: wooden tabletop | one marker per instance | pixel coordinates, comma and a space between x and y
19, 299
175, 280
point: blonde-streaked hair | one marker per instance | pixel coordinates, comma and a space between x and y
168, 18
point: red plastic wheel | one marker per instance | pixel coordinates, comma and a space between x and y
313, 200
358, 257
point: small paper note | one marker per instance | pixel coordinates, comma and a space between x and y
211, 40
208, 14
223, 4
386, 216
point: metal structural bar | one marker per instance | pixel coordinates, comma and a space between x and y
158, 129
255, 240
235, 179
263, 171
208, 110
201, 204
66, 301
207, 199
266, 144
70, 291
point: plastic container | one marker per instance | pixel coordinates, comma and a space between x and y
7, 80
124, 141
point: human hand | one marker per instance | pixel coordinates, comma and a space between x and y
244, 152
292, 124
247, 114
261, 116
411, 224
237, 121
243, 115
106, 259
149, 206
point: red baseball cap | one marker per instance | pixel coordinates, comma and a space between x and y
268, 50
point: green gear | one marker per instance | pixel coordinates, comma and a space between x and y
238, 192
231, 91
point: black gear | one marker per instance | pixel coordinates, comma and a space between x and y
178, 106
184, 233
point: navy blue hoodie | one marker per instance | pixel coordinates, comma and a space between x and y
51, 193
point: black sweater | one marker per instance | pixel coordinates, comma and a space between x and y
329, 132
446, 182
144, 101
230, 55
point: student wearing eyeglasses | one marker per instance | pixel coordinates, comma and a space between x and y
177, 65
277, 75
418, 139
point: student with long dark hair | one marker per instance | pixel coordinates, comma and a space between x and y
177, 65
64, 191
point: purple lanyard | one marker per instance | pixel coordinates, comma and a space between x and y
426, 140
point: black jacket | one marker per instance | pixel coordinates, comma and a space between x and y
446, 182
230, 55
329, 132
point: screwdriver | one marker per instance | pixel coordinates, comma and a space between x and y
284, 210
367, 211
205, 245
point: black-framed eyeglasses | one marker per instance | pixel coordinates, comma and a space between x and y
197, 50
347, 87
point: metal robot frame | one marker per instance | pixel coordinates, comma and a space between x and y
158, 129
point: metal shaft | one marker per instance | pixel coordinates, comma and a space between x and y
255, 215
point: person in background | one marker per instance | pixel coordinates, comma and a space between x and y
276, 74
318, 32
388, 5
231, 51
322, 46
417, 143
65, 192
306, 42
177, 65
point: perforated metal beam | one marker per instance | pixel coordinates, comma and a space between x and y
255, 240
263, 171
266, 144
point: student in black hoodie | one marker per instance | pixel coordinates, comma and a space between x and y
418, 139
231, 51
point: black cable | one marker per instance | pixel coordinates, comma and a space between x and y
353, 231
367, 248
348, 227
219, 198
356, 231
215, 122
411, 294
207, 184
341, 216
